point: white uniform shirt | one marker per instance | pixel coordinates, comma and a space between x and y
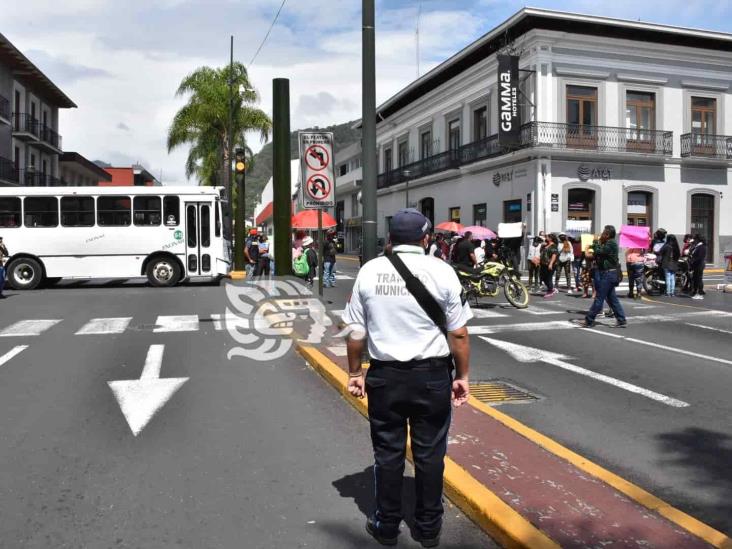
398, 328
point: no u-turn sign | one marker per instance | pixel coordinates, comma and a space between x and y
318, 172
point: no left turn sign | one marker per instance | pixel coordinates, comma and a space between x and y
317, 158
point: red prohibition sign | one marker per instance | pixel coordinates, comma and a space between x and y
317, 157
318, 187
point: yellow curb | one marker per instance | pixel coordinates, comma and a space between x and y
346, 258
237, 275
689, 523
494, 516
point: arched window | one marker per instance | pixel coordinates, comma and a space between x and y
581, 206
427, 207
640, 209
702, 220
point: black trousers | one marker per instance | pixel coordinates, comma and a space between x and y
419, 395
697, 280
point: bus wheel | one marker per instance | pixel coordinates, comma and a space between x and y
163, 271
25, 274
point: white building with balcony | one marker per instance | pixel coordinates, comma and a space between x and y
624, 122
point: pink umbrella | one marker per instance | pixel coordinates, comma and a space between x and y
480, 233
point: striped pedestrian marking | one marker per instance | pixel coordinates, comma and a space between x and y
179, 323
26, 328
487, 313
720, 330
339, 350
104, 326
12, 353
541, 311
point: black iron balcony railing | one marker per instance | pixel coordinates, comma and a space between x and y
597, 138
32, 178
49, 136
25, 123
706, 146
466, 154
602, 139
4, 108
8, 171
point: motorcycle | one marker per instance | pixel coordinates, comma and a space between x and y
654, 279
490, 277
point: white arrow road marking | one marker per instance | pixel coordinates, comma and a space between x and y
665, 347
709, 328
182, 323
28, 328
12, 353
104, 326
140, 399
523, 353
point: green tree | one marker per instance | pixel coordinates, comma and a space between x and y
203, 122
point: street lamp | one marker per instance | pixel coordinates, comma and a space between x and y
406, 174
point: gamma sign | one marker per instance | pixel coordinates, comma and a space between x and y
318, 173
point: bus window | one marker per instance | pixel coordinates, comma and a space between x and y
205, 226
171, 210
41, 211
191, 226
77, 211
218, 218
9, 211
113, 211
147, 210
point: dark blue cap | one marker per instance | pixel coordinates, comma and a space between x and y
409, 225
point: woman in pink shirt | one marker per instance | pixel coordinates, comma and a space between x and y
634, 261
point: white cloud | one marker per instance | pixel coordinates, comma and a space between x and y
146, 47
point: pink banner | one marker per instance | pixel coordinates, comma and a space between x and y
635, 237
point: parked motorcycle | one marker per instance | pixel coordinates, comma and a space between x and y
654, 279
490, 277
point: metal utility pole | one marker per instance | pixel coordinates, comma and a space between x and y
368, 125
407, 175
230, 152
240, 168
282, 191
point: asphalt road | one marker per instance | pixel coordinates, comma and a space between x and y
675, 349
244, 454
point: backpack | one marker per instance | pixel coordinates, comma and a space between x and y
300, 266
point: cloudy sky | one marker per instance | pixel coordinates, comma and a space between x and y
121, 61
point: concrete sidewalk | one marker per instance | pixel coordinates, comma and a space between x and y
528, 491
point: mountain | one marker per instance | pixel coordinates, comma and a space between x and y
261, 169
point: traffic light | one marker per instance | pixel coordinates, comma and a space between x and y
240, 161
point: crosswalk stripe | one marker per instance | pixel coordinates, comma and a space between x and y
179, 323
339, 351
539, 311
12, 353
709, 328
103, 326
28, 328
487, 313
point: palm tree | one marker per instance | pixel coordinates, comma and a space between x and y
203, 122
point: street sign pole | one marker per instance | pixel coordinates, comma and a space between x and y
320, 252
368, 124
282, 191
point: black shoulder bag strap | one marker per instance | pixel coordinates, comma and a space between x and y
423, 296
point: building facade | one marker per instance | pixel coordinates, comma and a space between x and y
78, 171
623, 122
132, 176
30, 144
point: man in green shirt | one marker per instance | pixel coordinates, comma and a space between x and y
606, 256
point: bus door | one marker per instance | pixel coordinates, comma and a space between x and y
199, 228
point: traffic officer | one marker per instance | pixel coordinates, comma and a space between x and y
409, 380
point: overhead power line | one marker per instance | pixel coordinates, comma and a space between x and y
269, 31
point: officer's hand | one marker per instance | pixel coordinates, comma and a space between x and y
460, 392
356, 386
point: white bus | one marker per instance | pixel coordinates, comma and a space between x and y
168, 234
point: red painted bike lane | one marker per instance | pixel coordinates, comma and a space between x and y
571, 506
